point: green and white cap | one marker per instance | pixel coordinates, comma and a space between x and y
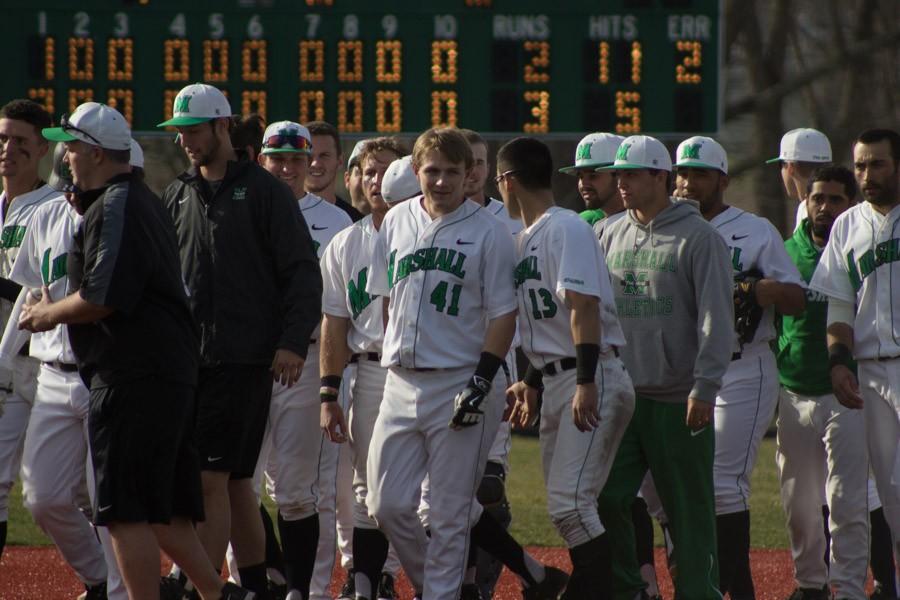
641, 152
595, 150
137, 155
197, 103
400, 181
354, 154
804, 145
286, 136
95, 124
701, 153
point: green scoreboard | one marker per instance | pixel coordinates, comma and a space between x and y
532, 66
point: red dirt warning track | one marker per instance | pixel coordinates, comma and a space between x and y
28, 573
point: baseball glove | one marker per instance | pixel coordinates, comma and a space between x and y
747, 311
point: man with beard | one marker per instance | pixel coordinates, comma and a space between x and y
857, 271
814, 429
597, 188
323, 166
745, 404
255, 292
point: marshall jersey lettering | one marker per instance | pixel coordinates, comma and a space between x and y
345, 272
446, 278
861, 265
560, 252
755, 243
42, 261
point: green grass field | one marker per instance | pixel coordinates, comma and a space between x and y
531, 525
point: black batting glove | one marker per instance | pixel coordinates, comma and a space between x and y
467, 404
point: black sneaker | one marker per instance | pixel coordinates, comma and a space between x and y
276, 592
802, 593
232, 592
348, 591
386, 587
550, 588
170, 588
94, 592
470, 591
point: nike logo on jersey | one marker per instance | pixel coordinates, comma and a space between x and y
104, 508
739, 237
697, 432
183, 200
533, 248
213, 458
317, 228
462, 243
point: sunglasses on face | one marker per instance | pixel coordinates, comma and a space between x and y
294, 140
67, 126
504, 175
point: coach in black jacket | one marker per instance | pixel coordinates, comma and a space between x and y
255, 291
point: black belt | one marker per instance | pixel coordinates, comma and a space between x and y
61, 366
736, 356
566, 364
373, 356
883, 358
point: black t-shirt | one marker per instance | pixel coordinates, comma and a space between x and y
126, 258
345, 206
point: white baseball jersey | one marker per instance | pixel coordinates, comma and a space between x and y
42, 260
755, 243
323, 219
858, 266
560, 252
15, 223
498, 209
345, 271
444, 277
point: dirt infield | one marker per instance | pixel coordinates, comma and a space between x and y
41, 574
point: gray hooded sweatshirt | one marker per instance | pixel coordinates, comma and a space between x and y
672, 279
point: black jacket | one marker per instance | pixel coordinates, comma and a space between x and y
248, 262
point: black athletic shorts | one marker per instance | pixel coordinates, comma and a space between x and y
145, 462
232, 410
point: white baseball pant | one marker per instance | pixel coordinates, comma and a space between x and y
54, 468
576, 464
345, 502
13, 423
814, 431
412, 439
744, 409
879, 384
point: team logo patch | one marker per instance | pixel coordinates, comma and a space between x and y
583, 152
691, 151
622, 152
182, 103
240, 193
635, 283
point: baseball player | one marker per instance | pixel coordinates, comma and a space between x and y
597, 188
323, 165
303, 489
856, 273
434, 259
672, 280
819, 440
801, 152
745, 404
352, 332
21, 151
255, 289
571, 335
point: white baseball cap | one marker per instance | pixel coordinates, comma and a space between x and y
804, 145
595, 150
197, 103
641, 152
400, 181
286, 136
95, 124
355, 153
137, 155
701, 153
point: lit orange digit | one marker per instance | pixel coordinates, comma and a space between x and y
540, 110
537, 69
628, 110
687, 71
443, 109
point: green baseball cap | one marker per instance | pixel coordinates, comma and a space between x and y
701, 153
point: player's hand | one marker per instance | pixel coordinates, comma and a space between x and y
524, 412
699, 415
585, 409
467, 404
333, 423
846, 387
36, 317
286, 367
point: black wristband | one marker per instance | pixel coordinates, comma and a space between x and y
331, 381
586, 357
839, 354
327, 396
488, 365
533, 377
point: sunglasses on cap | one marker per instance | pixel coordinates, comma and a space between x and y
294, 140
67, 126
